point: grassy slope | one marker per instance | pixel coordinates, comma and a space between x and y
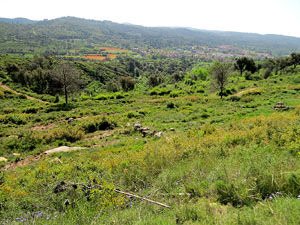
229, 156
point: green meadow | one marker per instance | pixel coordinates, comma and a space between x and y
162, 133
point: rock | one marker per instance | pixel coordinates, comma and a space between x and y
2, 159
146, 132
128, 125
70, 120
172, 129
63, 149
137, 126
59, 188
56, 160
243, 106
158, 134
281, 106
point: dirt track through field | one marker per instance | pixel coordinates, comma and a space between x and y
17, 93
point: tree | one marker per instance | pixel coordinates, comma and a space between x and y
127, 83
68, 79
242, 64
281, 64
219, 73
295, 59
155, 80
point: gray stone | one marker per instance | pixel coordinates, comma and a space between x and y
158, 134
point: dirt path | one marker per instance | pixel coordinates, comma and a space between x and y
239, 94
17, 93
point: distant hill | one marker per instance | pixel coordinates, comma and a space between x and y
64, 34
18, 21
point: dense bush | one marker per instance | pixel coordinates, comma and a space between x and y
198, 73
200, 90
175, 94
170, 105
155, 80
31, 110
234, 98
127, 83
112, 86
18, 119
92, 125
69, 134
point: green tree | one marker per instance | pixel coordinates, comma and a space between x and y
68, 79
127, 83
155, 80
295, 59
245, 64
219, 73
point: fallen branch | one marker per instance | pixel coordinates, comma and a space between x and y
97, 186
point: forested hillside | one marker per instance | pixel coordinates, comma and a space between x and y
60, 36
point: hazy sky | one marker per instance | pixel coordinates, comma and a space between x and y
255, 16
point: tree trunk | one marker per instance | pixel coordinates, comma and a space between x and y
221, 93
66, 94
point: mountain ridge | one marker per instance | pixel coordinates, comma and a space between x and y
93, 32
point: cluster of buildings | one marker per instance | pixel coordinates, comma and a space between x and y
225, 53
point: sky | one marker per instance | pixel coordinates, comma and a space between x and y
252, 16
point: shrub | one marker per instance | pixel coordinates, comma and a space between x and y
2, 95
189, 81
127, 83
112, 86
267, 73
133, 115
56, 99
162, 91
200, 90
296, 87
18, 119
31, 110
205, 115
170, 105
198, 74
91, 126
296, 79
8, 92
175, 94
60, 107
101, 97
235, 98
9, 110
25, 142
22, 96
253, 92
69, 133
119, 96
153, 92
247, 99
155, 80
247, 75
